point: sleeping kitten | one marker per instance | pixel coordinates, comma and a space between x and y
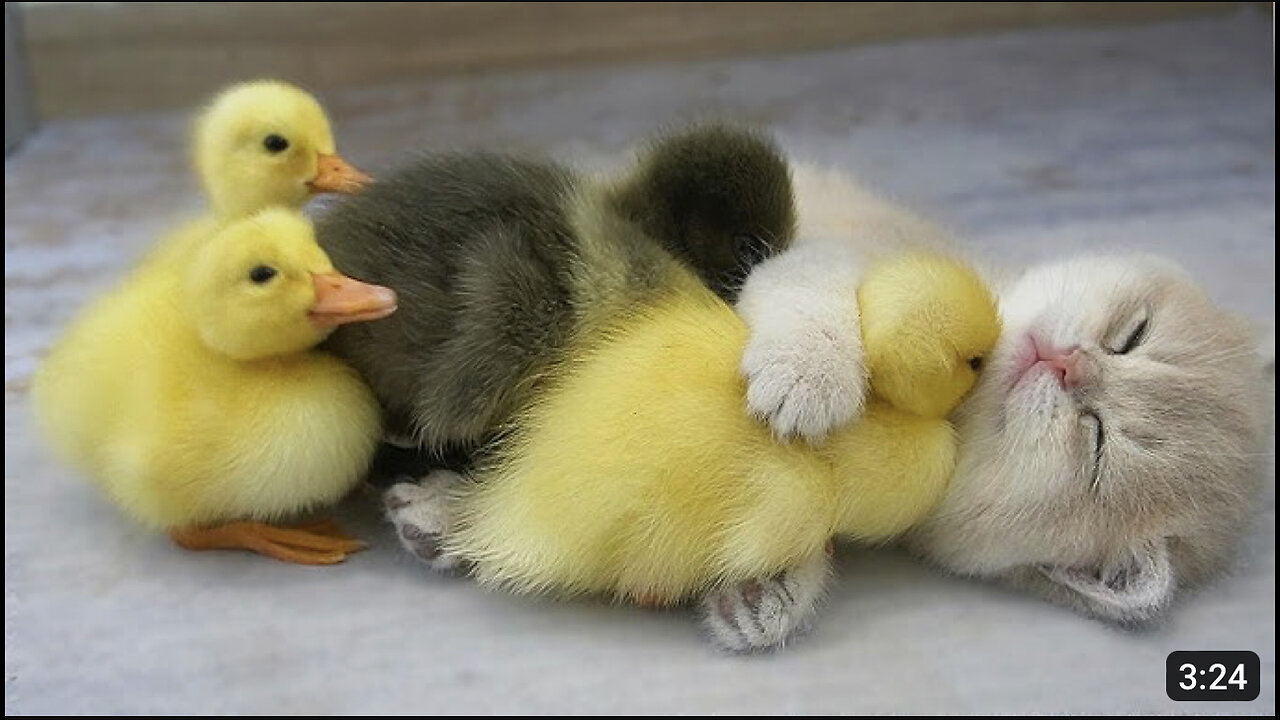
1109, 454
1113, 444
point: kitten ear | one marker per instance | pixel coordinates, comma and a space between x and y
1133, 587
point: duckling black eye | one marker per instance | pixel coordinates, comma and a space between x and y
275, 144
975, 363
262, 274
1134, 340
749, 249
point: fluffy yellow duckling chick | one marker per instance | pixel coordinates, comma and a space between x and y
268, 143
639, 474
193, 397
258, 145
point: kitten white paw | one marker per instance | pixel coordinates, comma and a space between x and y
762, 615
754, 616
806, 384
420, 513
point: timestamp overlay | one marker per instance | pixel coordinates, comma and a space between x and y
1212, 675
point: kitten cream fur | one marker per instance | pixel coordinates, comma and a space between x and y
1182, 414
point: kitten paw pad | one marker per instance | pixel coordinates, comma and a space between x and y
754, 616
419, 513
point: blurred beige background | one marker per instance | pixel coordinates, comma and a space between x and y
90, 58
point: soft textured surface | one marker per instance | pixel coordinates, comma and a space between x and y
1029, 145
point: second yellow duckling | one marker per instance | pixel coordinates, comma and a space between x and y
257, 145
267, 143
641, 475
191, 395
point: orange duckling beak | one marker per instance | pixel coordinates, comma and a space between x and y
335, 175
341, 300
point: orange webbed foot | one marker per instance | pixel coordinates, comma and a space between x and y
317, 543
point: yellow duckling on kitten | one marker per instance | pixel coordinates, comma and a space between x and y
640, 475
193, 397
257, 145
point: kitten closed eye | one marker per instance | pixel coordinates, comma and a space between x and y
1133, 339
1092, 424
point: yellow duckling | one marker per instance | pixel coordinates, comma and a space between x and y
258, 145
192, 397
267, 143
640, 474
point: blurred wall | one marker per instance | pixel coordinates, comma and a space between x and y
19, 107
117, 57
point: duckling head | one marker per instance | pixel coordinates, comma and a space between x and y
716, 195
928, 322
262, 287
267, 143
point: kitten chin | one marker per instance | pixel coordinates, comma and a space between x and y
1118, 432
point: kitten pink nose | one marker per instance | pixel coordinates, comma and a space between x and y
1069, 366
